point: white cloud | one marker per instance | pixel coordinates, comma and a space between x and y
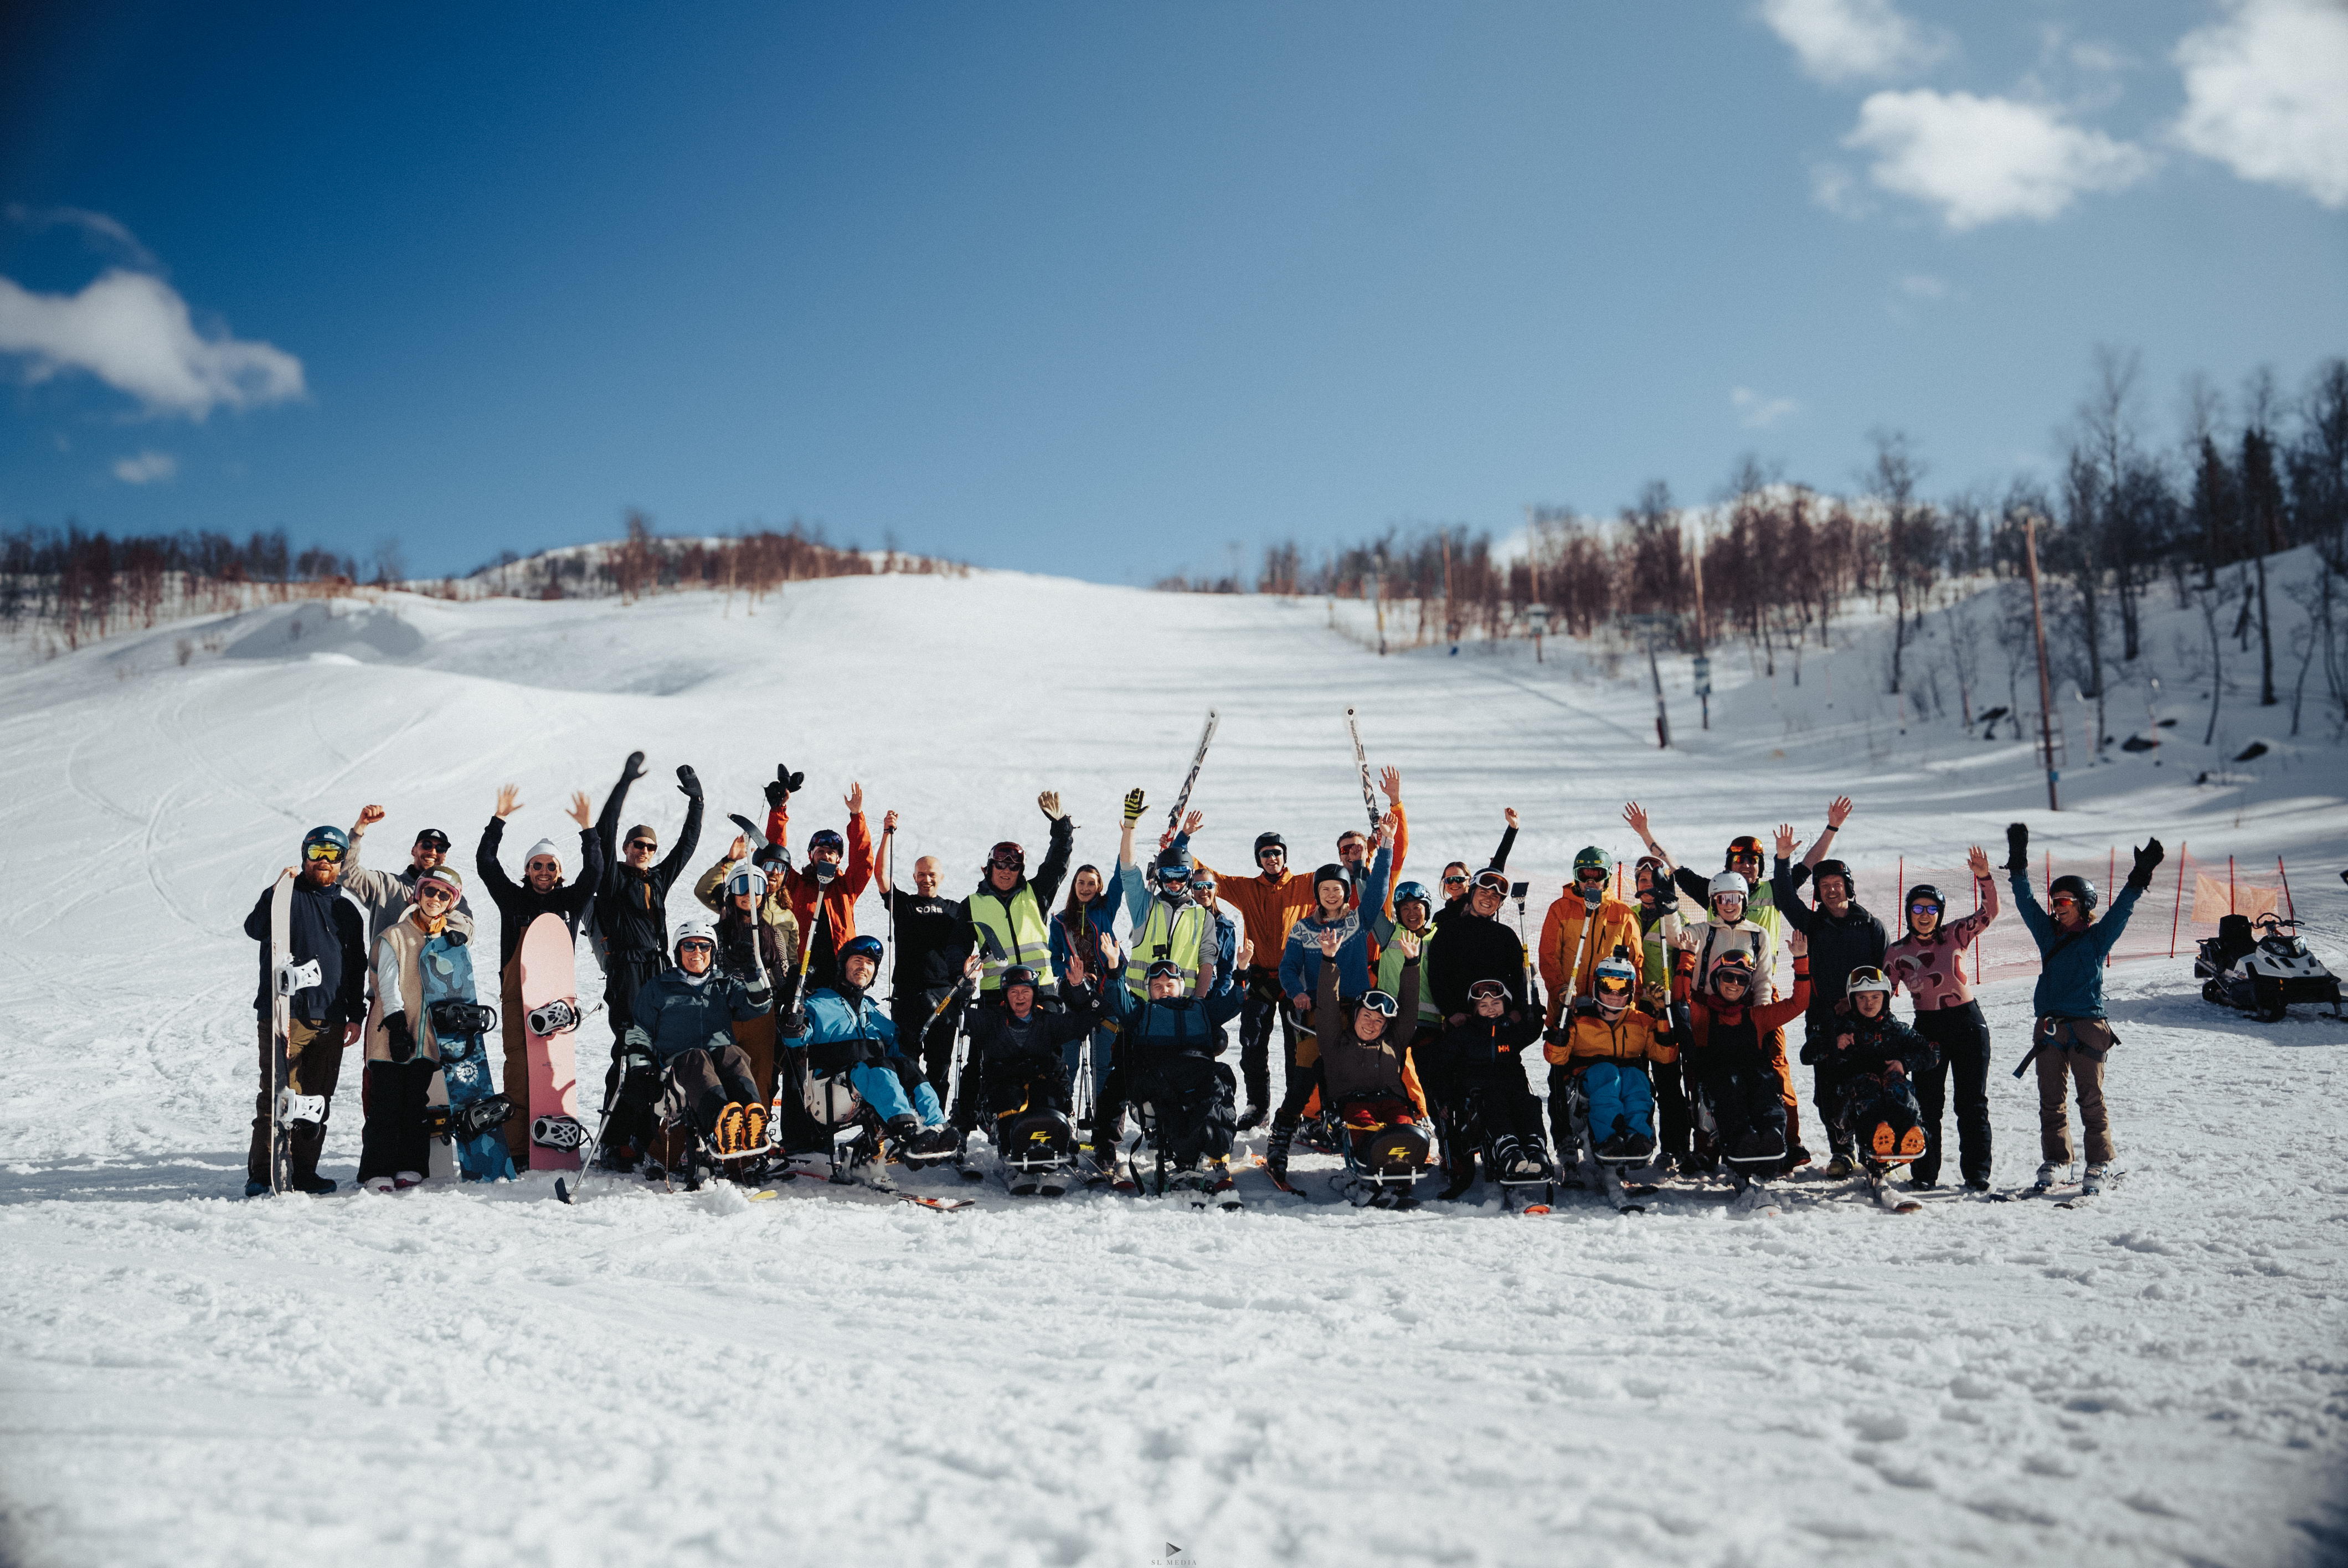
102, 233
1980, 160
1924, 286
1756, 412
1853, 40
146, 468
2266, 94
132, 332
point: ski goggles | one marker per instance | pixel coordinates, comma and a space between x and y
1009, 855
326, 851
826, 839
1611, 988
1488, 991
1591, 874
1164, 969
1176, 875
1492, 882
1381, 1004
2062, 899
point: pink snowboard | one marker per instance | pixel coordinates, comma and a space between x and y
550, 973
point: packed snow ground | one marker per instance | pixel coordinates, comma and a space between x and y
490, 1376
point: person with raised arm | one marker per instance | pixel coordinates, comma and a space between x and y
541, 891
1584, 926
1844, 938
1270, 903
1006, 908
2071, 1036
838, 870
386, 895
1929, 962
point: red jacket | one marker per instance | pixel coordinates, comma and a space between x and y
839, 899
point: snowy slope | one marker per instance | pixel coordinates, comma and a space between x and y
495, 1377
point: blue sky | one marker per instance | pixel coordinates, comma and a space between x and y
1106, 289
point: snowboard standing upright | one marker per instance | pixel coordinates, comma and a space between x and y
464, 1084
550, 973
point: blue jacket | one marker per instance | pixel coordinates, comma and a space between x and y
672, 1015
834, 1021
1186, 1024
2071, 966
1300, 964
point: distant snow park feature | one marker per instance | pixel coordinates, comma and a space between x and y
1753, 1361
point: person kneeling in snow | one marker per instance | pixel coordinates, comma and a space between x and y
1166, 1059
841, 1025
402, 1051
1604, 1046
684, 1020
1867, 1058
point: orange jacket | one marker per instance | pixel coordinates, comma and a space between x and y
840, 898
1631, 1037
1561, 938
1271, 907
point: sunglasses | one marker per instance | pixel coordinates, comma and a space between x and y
435, 890
1381, 1004
1924, 908
1271, 855
695, 945
642, 844
326, 851
1453, 881
543, 864
434, 840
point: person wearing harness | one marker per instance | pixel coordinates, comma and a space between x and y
841, 1026
1604, 1048
2072, 1035
1868, 1062
1728, 933
541, 891
1017, 1051
1737, 1067
1168, 924
1006, 910
1844, 938
1928, 961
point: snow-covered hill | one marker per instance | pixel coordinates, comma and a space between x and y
492, 1376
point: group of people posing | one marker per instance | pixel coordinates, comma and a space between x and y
1405, 1014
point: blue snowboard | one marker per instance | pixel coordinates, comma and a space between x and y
448, 968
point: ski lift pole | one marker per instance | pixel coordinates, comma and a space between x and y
2045, 684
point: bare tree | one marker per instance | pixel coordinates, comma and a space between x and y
1911, 537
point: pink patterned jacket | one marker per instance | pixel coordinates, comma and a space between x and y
1932, 969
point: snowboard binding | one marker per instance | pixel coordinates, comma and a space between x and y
453, 1020
555, 1018
301, 1110
557, 1132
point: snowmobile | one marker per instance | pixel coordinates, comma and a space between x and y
2263, 967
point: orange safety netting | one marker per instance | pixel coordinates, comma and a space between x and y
2183, 904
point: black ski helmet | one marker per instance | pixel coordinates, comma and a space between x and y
1826, 869
1332, 871
2078, 888
1924, 893
1265, 841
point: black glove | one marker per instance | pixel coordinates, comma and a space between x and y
2017, 848
1558, 1037
634, 768
776, 793
403, 1038
787, 779
688, 784
791, 1023
2146, 859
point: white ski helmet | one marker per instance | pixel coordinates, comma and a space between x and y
1728, 882
745, 880
693, 929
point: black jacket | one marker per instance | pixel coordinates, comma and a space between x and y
1874, 1042
1499, 862
1837, 944
519, 903
631, 906
1466, 947
935, 937
1010, 1053
328, 928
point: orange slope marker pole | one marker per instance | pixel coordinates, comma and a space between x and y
2179, 914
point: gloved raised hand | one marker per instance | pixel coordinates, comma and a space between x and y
2017, 848
635, 769
403, 1037
687, 785
786, 784
2147, 859
1132, 807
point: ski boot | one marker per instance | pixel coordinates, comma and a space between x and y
729, 1137
1251, 1118
2048, 1174
2091, 1183
1275, 1152
1221, 1189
